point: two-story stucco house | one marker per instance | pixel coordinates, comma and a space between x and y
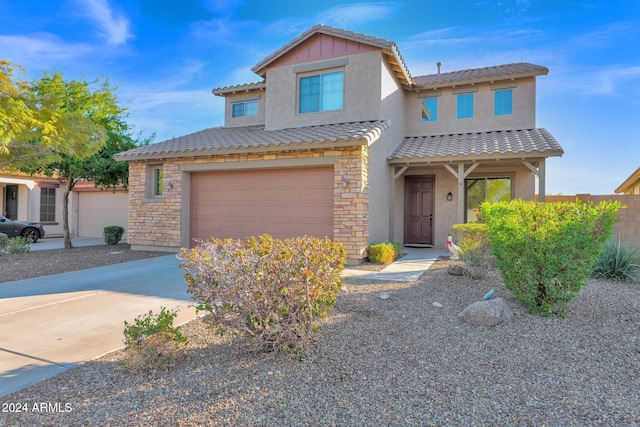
338, 139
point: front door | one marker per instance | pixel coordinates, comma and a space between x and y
11, 202
418, 210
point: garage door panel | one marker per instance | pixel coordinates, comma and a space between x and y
280, 202
99, 209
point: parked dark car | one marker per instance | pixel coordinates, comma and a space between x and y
29, 230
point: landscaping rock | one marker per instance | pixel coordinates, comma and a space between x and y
384, 295
486, 313
456, 270
436, 304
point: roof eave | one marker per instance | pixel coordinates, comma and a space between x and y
487, 79
629, 182
260, 67
293, 146
495, 157
232, 90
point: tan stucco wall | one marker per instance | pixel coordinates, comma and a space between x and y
484, 119
230, 121
163, 222
446, 212
361, 93
392, 109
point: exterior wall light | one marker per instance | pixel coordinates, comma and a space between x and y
449, 196
345, 181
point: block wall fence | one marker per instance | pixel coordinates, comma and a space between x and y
627, 226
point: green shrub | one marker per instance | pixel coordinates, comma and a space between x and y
264, 290
475, 249
546, 251
384, 252
19, 245
618, 261
152, 342
113, 234
4, 243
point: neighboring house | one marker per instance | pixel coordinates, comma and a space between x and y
631, 185
40, 199
339, 140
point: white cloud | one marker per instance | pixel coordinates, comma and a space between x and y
115, 28
42, 50
355, 14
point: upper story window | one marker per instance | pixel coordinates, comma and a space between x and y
245, 109
322, 92
430, 109
465, 106
503, 100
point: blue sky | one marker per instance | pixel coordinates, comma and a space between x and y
166, 57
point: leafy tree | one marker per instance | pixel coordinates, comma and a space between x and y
16, 116
38, 123
93, 122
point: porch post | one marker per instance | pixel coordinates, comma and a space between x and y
541, 180
461, 176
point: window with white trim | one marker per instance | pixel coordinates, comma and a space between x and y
321, 92
245, 109
47, 204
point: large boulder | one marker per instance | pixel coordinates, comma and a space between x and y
486, 313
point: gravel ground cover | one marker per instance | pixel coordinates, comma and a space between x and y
394, 362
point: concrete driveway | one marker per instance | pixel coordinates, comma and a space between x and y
51, 324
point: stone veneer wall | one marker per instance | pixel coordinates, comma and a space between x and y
156, 221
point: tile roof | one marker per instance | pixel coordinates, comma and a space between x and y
388, 47
225, 140
246, 87
477, 75
479, 145
324, 29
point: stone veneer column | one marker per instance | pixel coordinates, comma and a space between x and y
351, 202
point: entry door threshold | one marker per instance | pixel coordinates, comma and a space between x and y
418, 245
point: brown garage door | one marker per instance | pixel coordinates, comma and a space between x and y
281, 202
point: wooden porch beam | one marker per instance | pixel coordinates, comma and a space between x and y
400, 172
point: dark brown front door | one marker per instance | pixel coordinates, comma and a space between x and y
11, 202
418, 210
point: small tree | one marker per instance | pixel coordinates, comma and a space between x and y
546, 251
91, 156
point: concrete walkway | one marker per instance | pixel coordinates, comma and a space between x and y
58, 242
409, 268
53, 323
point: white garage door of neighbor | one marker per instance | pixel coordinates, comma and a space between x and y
98, 209
281, 202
